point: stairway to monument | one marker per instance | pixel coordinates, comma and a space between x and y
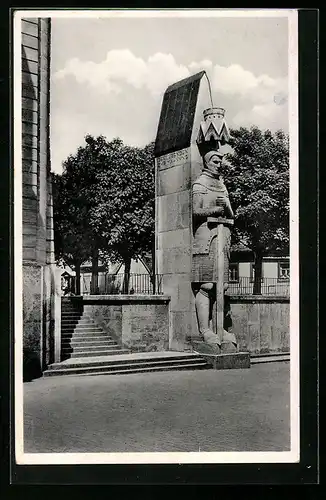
141, 362
81, 337
87, 350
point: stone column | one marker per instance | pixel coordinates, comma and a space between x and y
173, 252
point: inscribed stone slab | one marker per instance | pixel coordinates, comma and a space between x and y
177, 115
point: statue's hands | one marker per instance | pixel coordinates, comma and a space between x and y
224, 207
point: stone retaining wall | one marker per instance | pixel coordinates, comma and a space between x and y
137, 322
143, 323
261, 323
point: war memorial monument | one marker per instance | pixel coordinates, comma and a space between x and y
194, 219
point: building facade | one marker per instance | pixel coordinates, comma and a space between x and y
275, 278
39, 270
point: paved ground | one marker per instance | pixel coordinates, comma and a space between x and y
230, 410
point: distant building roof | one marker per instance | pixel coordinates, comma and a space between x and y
242, 249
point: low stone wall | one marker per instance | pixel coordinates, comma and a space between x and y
137, 322
261, 323
143, 323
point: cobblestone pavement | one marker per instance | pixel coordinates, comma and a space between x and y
230, 410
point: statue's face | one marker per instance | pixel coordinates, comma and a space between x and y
213, 165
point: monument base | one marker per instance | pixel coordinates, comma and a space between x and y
222, 361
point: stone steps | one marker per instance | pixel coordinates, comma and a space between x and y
88, 328
269, 358
73, 318
82, 318
69, 314
89, 349
100, 353
68, 337
89, 342
76, 329
128, 363
143, 369
82, 338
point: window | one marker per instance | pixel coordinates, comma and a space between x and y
234, 272
284, 270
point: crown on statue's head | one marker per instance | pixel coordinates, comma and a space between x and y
213, 131
211, 113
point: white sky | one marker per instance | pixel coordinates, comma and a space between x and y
109, 74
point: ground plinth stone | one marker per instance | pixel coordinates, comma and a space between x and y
228, 361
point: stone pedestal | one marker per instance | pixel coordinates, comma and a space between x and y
228, 361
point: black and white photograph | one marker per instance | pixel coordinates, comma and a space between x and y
156, 236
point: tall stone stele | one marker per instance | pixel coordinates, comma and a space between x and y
193, 216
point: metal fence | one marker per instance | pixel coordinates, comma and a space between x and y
268, 286
143, 284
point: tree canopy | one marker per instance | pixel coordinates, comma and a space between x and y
104, 203
257, 176
124, 212
104, 200
73, 238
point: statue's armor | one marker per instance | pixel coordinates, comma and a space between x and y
211, 191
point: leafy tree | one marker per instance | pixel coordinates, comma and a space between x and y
72, 239
76, 201
105, 204
124, 214
257, 177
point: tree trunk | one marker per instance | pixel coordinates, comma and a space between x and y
258, 271
125, 287
94, 282
77, 284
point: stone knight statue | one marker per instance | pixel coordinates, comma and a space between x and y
212, 219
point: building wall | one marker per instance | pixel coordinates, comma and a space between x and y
271, 283
269, 269
38, 240
244, 269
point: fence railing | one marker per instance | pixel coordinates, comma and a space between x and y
268, 286
115, 284
138, 284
